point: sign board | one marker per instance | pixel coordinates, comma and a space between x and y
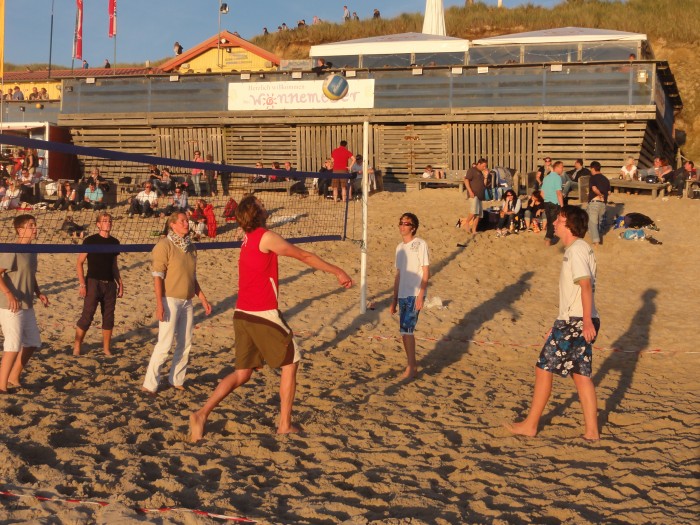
302, 94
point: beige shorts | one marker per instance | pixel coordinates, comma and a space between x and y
19, 329
474, 207
263, 337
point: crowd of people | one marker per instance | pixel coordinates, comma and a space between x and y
17, 94
18, 183
552, 187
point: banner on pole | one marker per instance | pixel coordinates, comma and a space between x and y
112, 18
2, 38
78, 36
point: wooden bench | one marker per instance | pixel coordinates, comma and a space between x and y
654, 188
455, 178
283, 185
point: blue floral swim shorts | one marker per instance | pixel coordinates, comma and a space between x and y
408, 315
566, 351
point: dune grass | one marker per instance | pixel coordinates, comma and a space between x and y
675, 21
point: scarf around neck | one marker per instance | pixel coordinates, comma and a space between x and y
184, 243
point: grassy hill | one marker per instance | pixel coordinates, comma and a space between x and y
671, 26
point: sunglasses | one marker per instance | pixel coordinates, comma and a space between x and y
401, 223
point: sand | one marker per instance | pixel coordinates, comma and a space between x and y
376, 450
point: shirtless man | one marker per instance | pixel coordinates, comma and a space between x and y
262, 334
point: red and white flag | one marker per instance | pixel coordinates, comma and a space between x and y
112, 18
78, 36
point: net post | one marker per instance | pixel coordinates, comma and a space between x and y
365, 198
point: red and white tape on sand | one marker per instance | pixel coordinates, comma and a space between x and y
8, 494
520, 345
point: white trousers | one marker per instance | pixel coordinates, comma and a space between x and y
177, 325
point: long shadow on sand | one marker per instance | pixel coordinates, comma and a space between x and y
632, 342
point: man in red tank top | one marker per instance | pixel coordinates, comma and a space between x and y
262, 335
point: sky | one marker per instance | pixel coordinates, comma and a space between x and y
147, 29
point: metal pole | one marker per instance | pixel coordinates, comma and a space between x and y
114, 65
365, 199
51, 38
218, 40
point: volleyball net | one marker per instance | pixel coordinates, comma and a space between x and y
141, 191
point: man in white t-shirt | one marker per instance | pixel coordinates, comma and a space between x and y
568, 349
410, 284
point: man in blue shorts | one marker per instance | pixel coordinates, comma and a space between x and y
568, 348
410, 285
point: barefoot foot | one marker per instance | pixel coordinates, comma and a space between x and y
148, 392
522, 429
291, 429
196, 427
409, 373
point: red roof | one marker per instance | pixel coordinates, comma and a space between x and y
58, 74
211, 43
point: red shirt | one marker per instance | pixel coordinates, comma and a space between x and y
341, 155
258, 279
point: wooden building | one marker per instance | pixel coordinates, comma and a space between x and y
567, 93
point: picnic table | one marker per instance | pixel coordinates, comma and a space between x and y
654, 187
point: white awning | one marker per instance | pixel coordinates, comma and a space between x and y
560, 35
391, 44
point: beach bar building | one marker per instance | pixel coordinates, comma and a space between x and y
429, 99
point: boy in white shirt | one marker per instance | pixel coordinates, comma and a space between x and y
568, 349
410, 284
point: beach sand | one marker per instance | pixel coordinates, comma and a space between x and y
373, 449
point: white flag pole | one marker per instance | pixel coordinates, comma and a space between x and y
365, 199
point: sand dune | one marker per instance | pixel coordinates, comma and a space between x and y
374, 450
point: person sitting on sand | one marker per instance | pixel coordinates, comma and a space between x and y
410, 285
101, 286
18, 285
509, 211
534, 211
261, 333
568, 350
178, 202
67, 197
175, 281
93, 197
145, 202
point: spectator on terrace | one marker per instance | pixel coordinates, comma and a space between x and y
86, 65
43, 94
34, 95
376, 14
17, 94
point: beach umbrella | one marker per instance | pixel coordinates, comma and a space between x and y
434, 21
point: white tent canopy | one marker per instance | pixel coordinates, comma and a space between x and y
561, 35
391, 44
434, 20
